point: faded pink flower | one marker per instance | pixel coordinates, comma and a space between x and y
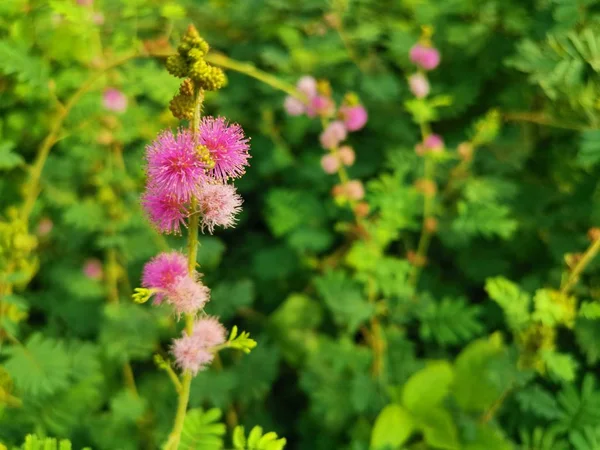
190, 354
92, 269
164, 210
209, 332
294, 106
218, 205
227, 145
333, 134
187, 295
427, 58
346, 155
114, 100
355, 190
320, 105
45, 227
355, 117
174, 167
433, 143
163, 271
330, 163
307, 85
419, 85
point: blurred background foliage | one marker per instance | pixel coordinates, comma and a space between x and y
484, 352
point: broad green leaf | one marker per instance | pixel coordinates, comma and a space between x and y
514, 302
392, 428
428, 387
438, 428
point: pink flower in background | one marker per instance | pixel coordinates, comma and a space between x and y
45, 227
346, 155
114, 100
174, 166
427, 58
98, 19
190, 354
419, 85
355, 117
355, 190
227, 145
307, 85
85, 2
330, 163
187, 295
218, 205
165, 211
162, 272
209, 332
333, 134
92, 269
433, 143
294, 106
320, 105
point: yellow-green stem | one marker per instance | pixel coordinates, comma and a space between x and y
587, 257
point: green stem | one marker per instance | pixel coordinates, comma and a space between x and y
587, 257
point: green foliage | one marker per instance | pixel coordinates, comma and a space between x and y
202, 429
257, 440
392, 428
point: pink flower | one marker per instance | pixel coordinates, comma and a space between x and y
355, 117
433, 143
294, 106
346, 155
163, 271
190, 354
114, 100
419, 85
174, 166
92, 269
427, 58
209, 332
85, 2
320, 105
187, 295
165, 211
227, 145
307, 85
333, 134
355, 190
330, 163
45, 227
98, 19
218, 205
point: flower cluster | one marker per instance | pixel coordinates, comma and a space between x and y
350, 116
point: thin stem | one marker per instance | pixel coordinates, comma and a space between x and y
184, 394
129, 378
174, 378
587, 257
541, 119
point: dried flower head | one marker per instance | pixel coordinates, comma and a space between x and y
218, 205
163, 271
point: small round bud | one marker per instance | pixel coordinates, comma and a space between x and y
177, 66
415, 259
426, 187
594, 234
182, 107
361, 209
330, 163
187, 87
346, 155
431, 225
465, 151
355, 190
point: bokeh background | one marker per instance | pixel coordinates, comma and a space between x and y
76, 354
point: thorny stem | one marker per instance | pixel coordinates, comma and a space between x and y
184, 393
587, 257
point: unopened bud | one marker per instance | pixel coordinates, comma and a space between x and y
594, 234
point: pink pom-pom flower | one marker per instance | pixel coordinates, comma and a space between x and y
166, 212
189, 355
346, 155
114, 100
355, 117
218, 205
307, 85
330, 163
92, 269
355, 190
333, 134
174, 167
294, 106
427, 58
433, 143
419, 85
163, 271
187, 295
209, 332
227, 146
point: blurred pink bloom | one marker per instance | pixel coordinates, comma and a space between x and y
209, 332
355, 190
227, 145
307, 85
346, 155
330, 163
294, 106
45, 227
174, 167
333, 135
85, 2
187, 295
98, 19
164, 210
162, 272
114, 100
92, 269
427, 58
218, 205
434, 143
355, 117
320, 105
190, 354
419, 85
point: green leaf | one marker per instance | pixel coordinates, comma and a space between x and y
438, 428
451, 321
8, 159
587, 333
428, 387
228, 297
589, 150
488, 438
590, 310
33, 442
202, 430
561, 365
392, 428
15, 59
514, 302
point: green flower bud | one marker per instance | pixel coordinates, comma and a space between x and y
177, 66
182, 107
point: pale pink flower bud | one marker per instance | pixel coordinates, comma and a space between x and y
294, 106
434, 143
308, 86
187, 295
45, 227
92, 269
209, 332
333, 134
355, 117
320, 105
346, 155
114, 100
427, 58
355, 190
190, 355
330, 163
419, 85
